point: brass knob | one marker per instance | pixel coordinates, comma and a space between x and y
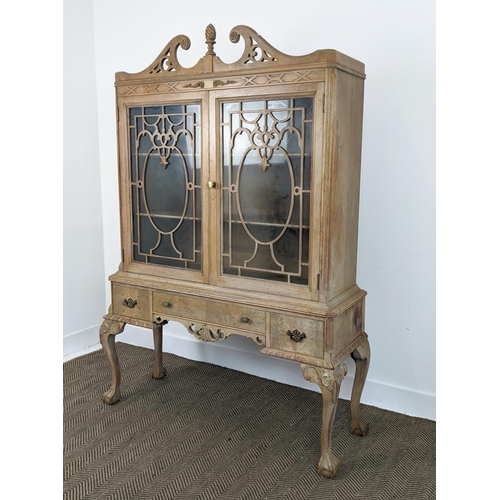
211, 184
166, 304
244, 320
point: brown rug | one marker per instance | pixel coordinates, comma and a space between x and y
206, 432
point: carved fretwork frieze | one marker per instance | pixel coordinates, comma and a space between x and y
160, 88
255, 80
284, 77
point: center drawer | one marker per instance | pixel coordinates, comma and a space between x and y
210, 311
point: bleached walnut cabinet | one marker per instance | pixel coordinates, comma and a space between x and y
239, 192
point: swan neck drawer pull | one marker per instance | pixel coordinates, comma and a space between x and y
296, 336
131, 303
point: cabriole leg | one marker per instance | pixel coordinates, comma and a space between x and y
107, 332
158, 369
362, 358
329, 382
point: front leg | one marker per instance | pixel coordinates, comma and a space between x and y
362, 358
109, 329
158, 369
329, 382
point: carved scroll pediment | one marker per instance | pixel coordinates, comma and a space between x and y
166, 63
167, 59
256, 49
257, 53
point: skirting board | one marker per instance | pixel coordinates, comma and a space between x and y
78, 341
242, 354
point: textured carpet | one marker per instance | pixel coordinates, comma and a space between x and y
206, 432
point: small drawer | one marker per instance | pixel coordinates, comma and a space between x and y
297, 334
132, 302
214, 312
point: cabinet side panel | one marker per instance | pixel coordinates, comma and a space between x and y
346, 179
347, 327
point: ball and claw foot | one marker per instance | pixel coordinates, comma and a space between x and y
111, 396
360, 428
158, 372
328, 466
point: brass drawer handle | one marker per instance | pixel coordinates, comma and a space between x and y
245, 320
296, 336
131, 303
166, 304
211, 184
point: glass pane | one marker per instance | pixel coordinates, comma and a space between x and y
164, 154
266, 157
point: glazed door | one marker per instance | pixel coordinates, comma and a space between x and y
162, 180
266, 164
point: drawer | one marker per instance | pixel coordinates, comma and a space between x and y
131, 302
210, 311
297, 334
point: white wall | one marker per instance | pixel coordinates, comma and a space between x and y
396, 41
83, 246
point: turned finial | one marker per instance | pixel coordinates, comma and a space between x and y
210, 34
